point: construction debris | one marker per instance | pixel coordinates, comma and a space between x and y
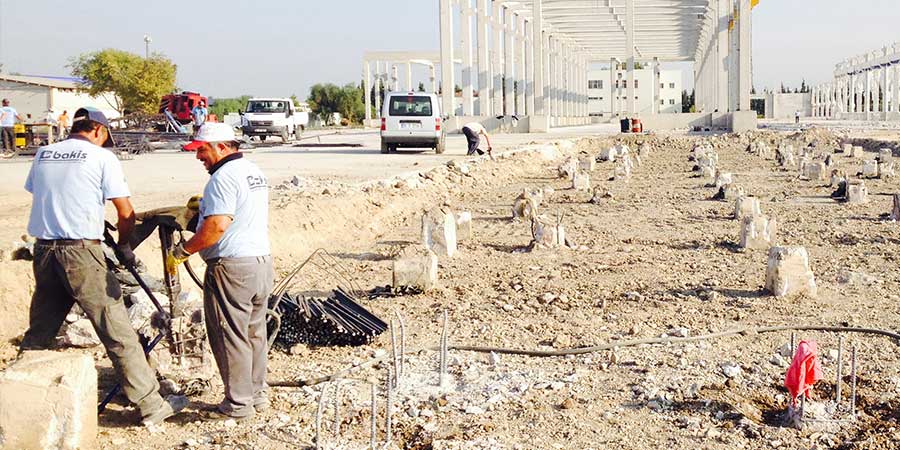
416, 271
857, 193
439, 232
547, 232
746, 206
526, 205
758, 232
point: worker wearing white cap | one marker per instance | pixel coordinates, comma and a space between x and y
233, 238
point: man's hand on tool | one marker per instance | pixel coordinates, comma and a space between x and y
175, 258
126, 255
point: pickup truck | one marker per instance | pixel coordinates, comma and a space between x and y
266, 117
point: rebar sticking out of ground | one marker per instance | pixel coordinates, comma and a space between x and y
840, 369
388, 407
319, 411
443, 356
853, 380
337, 410
373, 436
394, 357
402, 344
793, 341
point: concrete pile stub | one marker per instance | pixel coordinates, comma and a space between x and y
723, 178
746, 206
463, 226
609, 154
815, 171
417, 269
837, 177
847, 149
547, 232
869, 169
758, 232
587, 163
581, 181
857, 193
785, 155
729, 192
788, 272
856, 152
526, 205
439, 232
48, 400
568, 168
644, 149
761, 149
885, 163
895, 212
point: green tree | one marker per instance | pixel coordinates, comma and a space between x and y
324, 101
138, 82
687, 101
351, 104
222, 106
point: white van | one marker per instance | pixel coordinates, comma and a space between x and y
266, 117
411, 119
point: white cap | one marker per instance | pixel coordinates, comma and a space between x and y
212, 132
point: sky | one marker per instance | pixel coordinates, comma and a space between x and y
282, 47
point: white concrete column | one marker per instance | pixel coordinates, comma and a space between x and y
613, 112
629, 51
537, 40
378, 77
509, 20
745, 77
722, 56
497, 23
867, 99
552, 84
546, 74
484, 72
654, 86
409, 80
854, 100
367, 90
896, 96
521, 79
566, 84
465, 17
447, 76
529, 68
884, 92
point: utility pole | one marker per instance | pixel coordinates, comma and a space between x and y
147, 41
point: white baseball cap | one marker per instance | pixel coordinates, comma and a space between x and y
212, 132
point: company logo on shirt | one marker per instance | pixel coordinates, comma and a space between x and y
58, 156
257, 182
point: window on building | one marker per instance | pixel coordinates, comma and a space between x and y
662, 85
601, 99
595, 84
635, 84
662, 102
671, 101
594, 98
671, 85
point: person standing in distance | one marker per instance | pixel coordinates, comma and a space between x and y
473, 132
233, 238
8, 118
199, 113
63, 121
70, 182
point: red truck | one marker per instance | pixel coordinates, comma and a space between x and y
180, 105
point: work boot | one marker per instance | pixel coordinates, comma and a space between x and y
172, 405
261, 404
216, 415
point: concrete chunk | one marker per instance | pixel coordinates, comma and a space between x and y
568, 168
815, 171
48, 400
463, 226
788, 272
581, 181
869, 169
847, 149
419, 272
886, 169
723, 178
439, 232
526, 205
547, 233
857, 193
746, 206
856, 151
587, 163
758, 232
895, 212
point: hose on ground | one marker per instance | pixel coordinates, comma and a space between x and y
598, 348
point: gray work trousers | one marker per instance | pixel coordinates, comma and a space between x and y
68, 272
235, 299
8, 135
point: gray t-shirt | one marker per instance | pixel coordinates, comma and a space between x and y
70, 182
240, 190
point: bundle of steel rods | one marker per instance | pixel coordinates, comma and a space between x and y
335, 320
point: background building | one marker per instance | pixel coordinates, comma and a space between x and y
36, 95
605, 97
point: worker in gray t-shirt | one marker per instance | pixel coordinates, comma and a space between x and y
233, 238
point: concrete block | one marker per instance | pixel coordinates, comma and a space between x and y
587, 163
48, 400
857, 193
856, 152
463, 226
568, 168
581, 181
707, 172
79, 333
609, 154
419, 272
644, 149
837, 177
723, 178
526, 206
885, 155
729, 192
746, 206
758, 232
895, 211
788, 272
847, 149
815, 171
869, 169
886, 169
439, 232
547, 233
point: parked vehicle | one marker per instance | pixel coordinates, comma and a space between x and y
180, 105
266, 117
411, 119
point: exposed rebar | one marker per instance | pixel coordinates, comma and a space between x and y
373, 436
337, 411
319, 411
388, 407
402, 343
853, 380
793, 342
840, 369
443, 356
394, 360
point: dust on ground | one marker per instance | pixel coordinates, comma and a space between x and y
657, 257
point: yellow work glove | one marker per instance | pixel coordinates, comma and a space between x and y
194, 202
174, 259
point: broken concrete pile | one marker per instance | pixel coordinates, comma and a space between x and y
788, 272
